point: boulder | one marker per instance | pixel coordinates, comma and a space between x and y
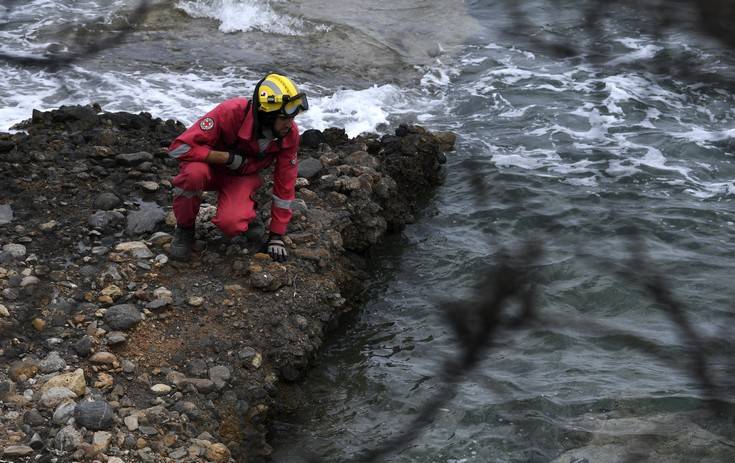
94, 415
122, 317
309, 167
73, 381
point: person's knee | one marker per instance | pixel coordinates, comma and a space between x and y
193, 176
234, 224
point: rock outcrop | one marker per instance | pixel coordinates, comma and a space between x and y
109, 350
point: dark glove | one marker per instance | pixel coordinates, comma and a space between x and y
235, 161
277, 249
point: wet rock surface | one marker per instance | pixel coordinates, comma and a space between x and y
111, 352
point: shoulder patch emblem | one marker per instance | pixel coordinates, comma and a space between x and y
293, 161
206, 124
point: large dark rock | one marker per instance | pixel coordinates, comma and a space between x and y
107, 201
6, 146
133, 159
144, 221
95, 415
312, 138
122, 317
309, 167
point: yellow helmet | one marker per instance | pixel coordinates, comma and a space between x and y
278, 93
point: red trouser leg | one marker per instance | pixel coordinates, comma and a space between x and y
193, 179
235, 206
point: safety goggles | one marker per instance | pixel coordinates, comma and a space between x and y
292, 105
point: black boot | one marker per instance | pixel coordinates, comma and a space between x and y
182, 243
255, 231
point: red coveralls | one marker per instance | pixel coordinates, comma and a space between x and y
229, 127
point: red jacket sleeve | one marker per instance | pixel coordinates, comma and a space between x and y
284, 188
199, 139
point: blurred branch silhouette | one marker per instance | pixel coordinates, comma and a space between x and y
81, 46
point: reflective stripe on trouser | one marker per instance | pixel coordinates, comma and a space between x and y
235, 206
282, 203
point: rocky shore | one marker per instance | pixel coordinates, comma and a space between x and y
111, 352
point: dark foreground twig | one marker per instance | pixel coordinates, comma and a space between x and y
81, 48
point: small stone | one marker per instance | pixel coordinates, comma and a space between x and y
17, 451
157, 304
56, 395
73, 381
39, 324
137, 249
101, 439
52, 363
144, 221
115, 337
202, 385
105, 358
36, 442
48, 226
23, 370
83, 346
64, 411
68, 439
104, 381
133, 159
218, 453
250, 357
177, 454
29, 280
4, 311
115, 460
197, 368
148, 185
160, 238
112, 291
107, 201
148, 430
122, 317
15, 250
97, 415
34, 418
196, 301
160, 389
128, 366
219, 375
131, 422
163, 293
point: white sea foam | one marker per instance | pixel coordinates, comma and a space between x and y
247, 15
641, 50
185, 96
363, 110
702, 136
